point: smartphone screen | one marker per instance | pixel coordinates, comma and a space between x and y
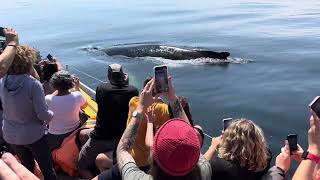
161, 79
50, 57
293, 141
315, 106
2, 32
226, 123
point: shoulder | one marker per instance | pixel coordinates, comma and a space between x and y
101, 85
218, 163
274, 173
132, 172
78, 97
133, 88
205, 168
161, 106
104, 87
48, 97
34, 82
134, 100
76, 94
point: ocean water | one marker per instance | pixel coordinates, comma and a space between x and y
276, 43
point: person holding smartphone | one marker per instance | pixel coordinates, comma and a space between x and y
176, 147
25, 113
141, 148
112, 99
310, 158
66, 105
240, 153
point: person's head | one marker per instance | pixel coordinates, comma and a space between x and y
38, 56
186, 107
23, 60
243, 141
116, 75
175, 151
48, 70
62, 81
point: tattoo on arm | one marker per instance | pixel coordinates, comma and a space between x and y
126, 142
176, 109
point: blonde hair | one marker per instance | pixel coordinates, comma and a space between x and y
243, 141
23, 60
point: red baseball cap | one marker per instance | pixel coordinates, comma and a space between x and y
176, 147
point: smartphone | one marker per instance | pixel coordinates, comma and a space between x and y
50, 57
226, 122
3, 149
315, 105
293, 141
2, 45
2, 32
161, 79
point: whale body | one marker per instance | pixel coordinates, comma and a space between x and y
167, 52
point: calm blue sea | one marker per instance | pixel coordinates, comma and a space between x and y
279, 39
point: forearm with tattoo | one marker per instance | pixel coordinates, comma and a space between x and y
126, 142
176, 108
178, 111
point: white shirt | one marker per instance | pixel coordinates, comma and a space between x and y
66, 112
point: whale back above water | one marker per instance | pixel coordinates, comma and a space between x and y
167, 52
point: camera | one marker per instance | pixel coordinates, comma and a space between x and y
2, 44
2, 32
2, 39
3, 149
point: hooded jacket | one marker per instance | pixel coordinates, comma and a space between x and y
25, 112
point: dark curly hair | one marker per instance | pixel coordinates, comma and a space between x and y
48, 70
62, 80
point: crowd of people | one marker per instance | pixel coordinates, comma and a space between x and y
136, 135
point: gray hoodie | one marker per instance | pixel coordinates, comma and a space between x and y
25, 111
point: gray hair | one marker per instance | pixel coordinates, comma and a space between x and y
62, 80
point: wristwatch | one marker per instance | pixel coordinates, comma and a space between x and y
310, 156
137, 115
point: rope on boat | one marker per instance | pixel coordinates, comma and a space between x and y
86, 74
92, 91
